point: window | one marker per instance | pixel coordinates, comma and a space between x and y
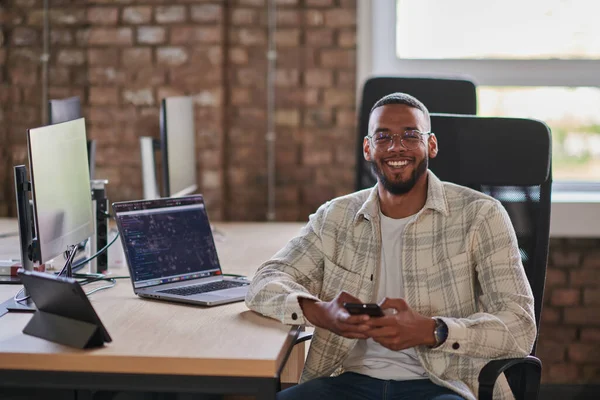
535, 59
507, 29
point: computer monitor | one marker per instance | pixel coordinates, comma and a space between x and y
62, 200
177, 146
60, 183
63, 110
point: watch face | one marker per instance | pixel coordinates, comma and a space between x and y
441, 331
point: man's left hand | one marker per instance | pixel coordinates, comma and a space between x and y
403, 329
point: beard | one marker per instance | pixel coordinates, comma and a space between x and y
399, 187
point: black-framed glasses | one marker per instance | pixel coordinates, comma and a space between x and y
409, 139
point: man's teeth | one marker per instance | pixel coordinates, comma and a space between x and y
397, 163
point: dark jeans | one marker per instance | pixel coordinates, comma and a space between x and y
352, 386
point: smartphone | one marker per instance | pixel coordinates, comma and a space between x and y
370, 309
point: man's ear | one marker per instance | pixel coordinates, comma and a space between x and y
433, 146
367, 148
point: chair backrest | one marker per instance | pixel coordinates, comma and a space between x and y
63, 110
510, 160
450, 96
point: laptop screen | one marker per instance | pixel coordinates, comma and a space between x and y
167, 240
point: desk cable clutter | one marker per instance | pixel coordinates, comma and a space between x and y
89, 278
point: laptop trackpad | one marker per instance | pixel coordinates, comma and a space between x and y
209, 298
234, 292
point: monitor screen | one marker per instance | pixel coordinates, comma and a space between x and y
61, 186
178, 146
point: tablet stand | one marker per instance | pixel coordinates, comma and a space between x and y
64, 330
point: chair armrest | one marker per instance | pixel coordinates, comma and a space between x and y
303, 337
530, 366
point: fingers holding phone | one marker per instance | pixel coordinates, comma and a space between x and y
332, 315
348, 324
361, 313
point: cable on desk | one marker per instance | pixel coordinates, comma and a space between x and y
83, 280
94, 277
17, 300
69, 255
112, 283
89, 278
102, 250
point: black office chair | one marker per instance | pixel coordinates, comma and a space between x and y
449, 96
510, 160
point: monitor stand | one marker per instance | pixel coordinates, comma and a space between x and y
15, 306
28, 305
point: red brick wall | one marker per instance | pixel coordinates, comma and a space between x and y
122, 57
569, 342
19, 96
315, 100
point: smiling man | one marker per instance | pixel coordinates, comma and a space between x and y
440, 259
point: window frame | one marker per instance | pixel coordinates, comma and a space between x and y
574, 212
485, 72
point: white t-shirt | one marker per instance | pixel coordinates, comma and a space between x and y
369, 357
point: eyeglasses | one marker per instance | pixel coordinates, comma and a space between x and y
410, 139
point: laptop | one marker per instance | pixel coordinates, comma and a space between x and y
171, 254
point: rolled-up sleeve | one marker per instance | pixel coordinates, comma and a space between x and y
294, 272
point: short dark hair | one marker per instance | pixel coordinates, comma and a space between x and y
402, 98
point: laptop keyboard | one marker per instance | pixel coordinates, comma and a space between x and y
205, 287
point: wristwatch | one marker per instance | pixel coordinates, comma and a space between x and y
440, 332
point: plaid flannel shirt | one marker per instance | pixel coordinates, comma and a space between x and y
460, 262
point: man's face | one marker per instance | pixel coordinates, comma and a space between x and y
397, 168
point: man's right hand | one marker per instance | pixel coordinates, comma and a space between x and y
332, 315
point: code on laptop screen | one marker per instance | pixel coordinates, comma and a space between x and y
169, 244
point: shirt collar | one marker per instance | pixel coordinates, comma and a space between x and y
436, 195
436, 200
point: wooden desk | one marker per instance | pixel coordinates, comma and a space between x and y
160, 346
